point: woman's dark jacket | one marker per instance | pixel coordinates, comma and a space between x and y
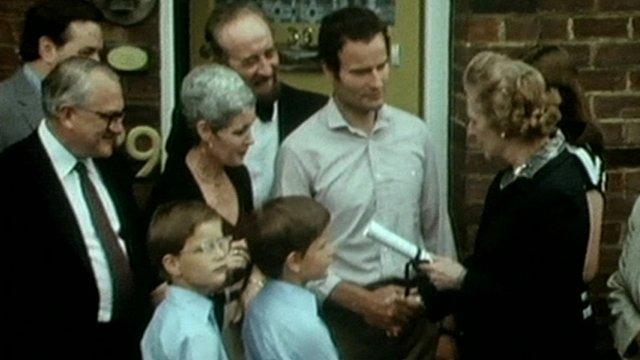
523, 296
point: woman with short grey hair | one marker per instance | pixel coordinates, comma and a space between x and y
214, 94
219, 108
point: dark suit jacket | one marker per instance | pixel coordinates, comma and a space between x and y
294, 107
50, 290
20, 109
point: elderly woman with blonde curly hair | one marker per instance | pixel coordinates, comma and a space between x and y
521, 294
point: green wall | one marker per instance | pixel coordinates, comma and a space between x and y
405, 86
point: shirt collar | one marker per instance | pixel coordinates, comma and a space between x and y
336, 120
552, 148
33, 76
297, 294
63, 161
198, 304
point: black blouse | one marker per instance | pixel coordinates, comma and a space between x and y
177, 183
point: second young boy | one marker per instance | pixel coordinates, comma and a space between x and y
288, 241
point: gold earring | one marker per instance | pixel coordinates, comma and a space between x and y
503, 135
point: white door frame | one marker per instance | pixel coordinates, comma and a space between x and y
167, 71
436, 84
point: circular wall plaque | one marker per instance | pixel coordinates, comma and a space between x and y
128, 58
125, 12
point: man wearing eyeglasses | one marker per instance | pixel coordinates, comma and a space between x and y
53, 31
76, 261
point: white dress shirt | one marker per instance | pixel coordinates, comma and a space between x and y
63, 163
261, 158
389, 176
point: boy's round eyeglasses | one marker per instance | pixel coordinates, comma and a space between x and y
222, 245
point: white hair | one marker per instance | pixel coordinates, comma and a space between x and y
216, 94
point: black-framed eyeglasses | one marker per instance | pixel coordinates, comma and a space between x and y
210, 246
108, 117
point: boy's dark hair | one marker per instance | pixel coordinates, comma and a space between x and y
51, 18
347, 24
223, 14
172, 224
283, 225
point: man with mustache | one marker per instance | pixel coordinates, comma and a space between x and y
365, 160
53, 31
238, 35
76, 289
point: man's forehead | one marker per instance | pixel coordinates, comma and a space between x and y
102, 84
363, 53
247, 33
83, 27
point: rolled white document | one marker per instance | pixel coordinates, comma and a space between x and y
398, 244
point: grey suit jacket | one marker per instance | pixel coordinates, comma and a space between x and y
20, 109
624, 299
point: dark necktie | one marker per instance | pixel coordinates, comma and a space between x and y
119, 268
264, 111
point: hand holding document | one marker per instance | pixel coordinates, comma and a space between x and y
398, 244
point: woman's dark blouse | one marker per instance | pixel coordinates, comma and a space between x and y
521, 297
177, 183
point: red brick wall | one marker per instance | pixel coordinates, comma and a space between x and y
142, 89
603, 40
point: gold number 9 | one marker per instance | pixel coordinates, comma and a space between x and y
150, 155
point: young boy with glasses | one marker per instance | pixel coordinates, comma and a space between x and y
289, 242
187, 243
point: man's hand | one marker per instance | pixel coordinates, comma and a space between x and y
381, 308
391, 310
410, 306
385, 307
444, 273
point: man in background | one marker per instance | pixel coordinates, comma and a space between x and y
53, 31
238, 35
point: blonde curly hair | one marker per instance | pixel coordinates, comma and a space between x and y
512, 95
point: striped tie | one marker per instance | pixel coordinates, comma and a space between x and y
119, 268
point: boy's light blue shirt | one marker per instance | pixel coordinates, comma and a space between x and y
283, 323
183, 327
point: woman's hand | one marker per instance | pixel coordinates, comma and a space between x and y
444, 273
238, 258
159, 293
447, 349
254, 285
